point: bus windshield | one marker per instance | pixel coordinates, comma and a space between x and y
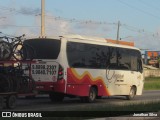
44, 48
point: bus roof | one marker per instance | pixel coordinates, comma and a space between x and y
84, 38
88, 39
97, 40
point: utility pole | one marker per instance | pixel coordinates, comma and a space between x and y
42, 18
118, 32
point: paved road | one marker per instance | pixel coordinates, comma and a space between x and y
43, 103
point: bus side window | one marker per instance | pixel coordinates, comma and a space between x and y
139, 65
134, 60
123, 59
133, 63
112, 58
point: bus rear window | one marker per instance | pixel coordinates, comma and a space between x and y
44, 48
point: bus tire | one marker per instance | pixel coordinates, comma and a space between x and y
99, 97
11, 101
56, 97
132, 93
92, 95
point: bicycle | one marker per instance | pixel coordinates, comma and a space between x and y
13, 79
5, 49
23, 51
25, 82
16, 49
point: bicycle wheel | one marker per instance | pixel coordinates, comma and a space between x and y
31, 53
5, 50
19, 52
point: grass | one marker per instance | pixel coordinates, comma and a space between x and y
152, 83
128, 106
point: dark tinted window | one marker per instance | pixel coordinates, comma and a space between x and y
97, 56
76, 55
45, 48
112, 58
136, 61
124, 59
81, 55
140, 65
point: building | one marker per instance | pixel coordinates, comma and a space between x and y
152, 58
120, 42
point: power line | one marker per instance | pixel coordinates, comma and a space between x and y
138, 9
83, 21
134, 29
131, 28
18, 26
128, 27
73, 20
149, 5
14, 11
6, 8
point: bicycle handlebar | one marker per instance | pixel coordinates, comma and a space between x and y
15, 39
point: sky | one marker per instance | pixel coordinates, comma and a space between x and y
139, 19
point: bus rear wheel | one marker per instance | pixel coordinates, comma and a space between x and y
56, 97
132, 93
91, 96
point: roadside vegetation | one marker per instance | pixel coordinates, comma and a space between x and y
107, 110
129, 106
152, 83
96, 111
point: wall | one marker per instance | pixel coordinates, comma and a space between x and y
149, 73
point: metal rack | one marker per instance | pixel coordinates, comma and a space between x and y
14, 82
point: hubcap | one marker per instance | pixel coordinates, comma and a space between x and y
92, 95
132, 93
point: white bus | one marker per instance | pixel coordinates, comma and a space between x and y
86, 67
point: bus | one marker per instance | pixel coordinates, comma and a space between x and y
86, 67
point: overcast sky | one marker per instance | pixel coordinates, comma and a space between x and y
140, 19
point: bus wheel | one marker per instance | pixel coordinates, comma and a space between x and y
132, 93
92, 95
56, 97
99, 97
11, 102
